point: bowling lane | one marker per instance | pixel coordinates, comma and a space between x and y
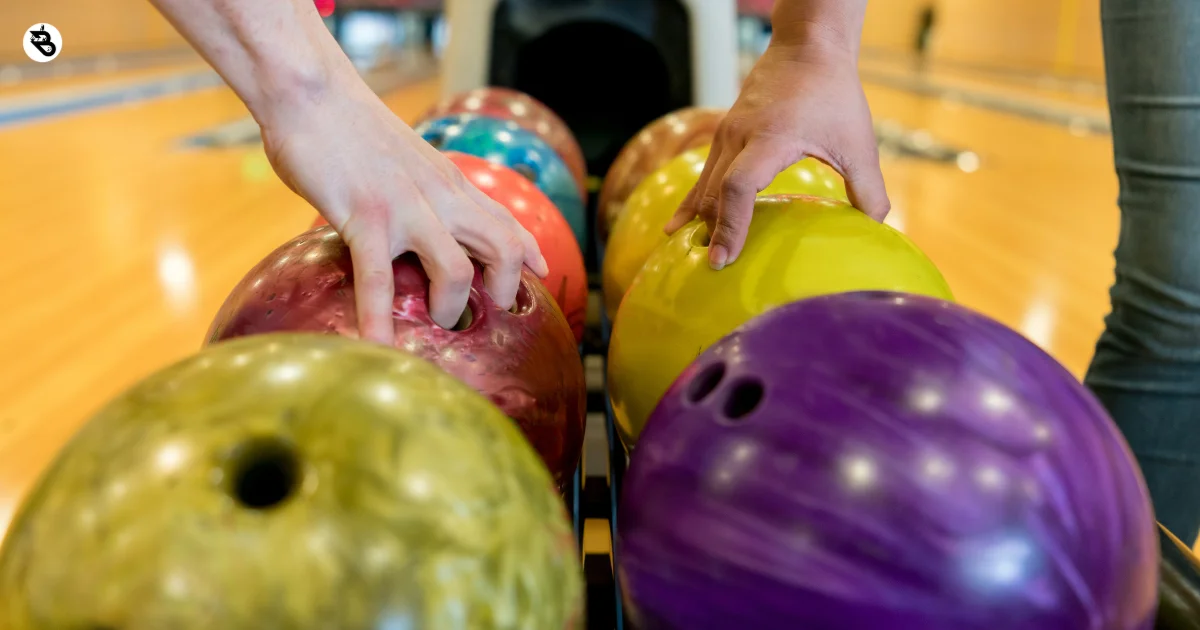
1084, 93
1028, 237
41, 85
121, 246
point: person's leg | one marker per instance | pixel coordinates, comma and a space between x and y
1146, 370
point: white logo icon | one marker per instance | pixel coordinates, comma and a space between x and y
43, 42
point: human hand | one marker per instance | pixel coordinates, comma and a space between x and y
386, 192
797, 102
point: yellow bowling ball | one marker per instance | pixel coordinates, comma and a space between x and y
798, 246
294, 481
639, 228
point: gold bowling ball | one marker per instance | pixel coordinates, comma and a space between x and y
293, 481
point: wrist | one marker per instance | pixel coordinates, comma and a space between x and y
823, 29
816, 41
293, 82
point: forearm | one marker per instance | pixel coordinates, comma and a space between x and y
835, 25
271, 53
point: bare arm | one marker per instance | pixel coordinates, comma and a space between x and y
271, 53
331, 140
834, 25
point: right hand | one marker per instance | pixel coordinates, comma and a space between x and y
799, 101
387, 192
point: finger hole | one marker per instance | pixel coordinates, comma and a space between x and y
700, 236
743, 399
523, 304
436, 140
526, 171
264, 473
465, 320
705, 382
472, 315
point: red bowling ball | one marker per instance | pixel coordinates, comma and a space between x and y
567, 280
524, 360
527, 112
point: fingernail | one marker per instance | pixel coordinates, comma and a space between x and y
718, 257
545, 268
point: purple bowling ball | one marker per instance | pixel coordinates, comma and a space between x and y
887, 462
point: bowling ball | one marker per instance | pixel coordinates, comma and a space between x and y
524, 360
648, 151
639, 228
797, 247
567, 280
881, 460
293, 481
504, 142
527, 112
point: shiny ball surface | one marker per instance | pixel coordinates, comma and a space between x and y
507, 143
797, 247
524, 360
639, 228
296, 482
567, 280
524, 110
655, 145
884, 460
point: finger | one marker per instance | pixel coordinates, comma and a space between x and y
710, 196
683, 214
449, 269
532, 252
864, 178
459, 182
749, 173
496, 247
374, 284
691, 203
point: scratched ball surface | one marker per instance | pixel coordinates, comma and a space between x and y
293, 481
524, 360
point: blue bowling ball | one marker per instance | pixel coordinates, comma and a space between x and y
505, 142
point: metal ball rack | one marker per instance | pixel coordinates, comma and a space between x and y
594, 492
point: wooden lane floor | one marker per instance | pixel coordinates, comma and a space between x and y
120, 248
1028, 237
54, 84
1087, 94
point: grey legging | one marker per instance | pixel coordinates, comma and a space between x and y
1146, 369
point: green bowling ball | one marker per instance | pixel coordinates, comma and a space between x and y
290, 481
